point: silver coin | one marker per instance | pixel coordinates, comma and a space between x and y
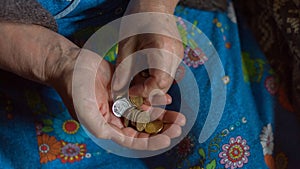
120, 106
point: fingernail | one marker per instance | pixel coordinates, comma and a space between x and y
169, 100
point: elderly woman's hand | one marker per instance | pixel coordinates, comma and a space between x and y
165, 60
161, 53
39, 54
104, 124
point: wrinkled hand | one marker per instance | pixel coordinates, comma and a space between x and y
163, 56
44, 56
103, 124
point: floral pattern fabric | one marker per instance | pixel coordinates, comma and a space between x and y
49, 148
235, 154
33, 119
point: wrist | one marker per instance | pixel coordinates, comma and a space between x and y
59, 67
163, 6
34, 52
58, 71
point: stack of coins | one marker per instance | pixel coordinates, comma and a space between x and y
140, 120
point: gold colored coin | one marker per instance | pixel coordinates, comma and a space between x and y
140, 126
141, 120
143, 117
154, 127
128, 116
136, 100
133, 116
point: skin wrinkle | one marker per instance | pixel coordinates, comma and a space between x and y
35, 62
38, 54
66, 62
160, 76
45, 56
37, 69
12, 44
167, 6
49, 60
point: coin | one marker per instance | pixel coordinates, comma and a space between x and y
138, 116
154, 127
135, 116
127, 116
131, 115
120, 106
136, 100
142, 119
126, 122
140, 126
133, 124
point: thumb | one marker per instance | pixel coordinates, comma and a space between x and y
124, 67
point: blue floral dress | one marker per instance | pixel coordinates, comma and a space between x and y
37, 131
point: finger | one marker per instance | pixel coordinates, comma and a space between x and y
151, 86
104, 72
172, 130
174, 117
139, 78
162, 79
130, 138
116, 121
157, 100
124, 65
154, 112
102, 83
167, 116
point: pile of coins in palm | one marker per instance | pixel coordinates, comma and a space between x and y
133, 116
140, 120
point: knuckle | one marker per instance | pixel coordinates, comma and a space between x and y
164, 82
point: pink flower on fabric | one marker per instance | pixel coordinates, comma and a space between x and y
71, 152
271, 84
194, 58
181, 22
235, 154
267, 140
